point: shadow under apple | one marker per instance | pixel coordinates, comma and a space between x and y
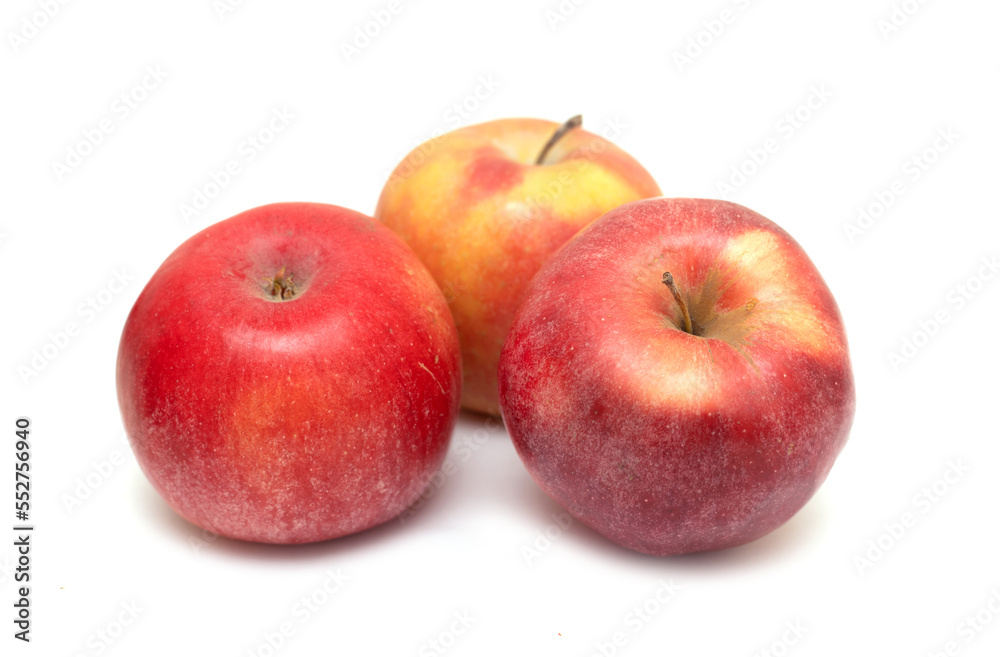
190, 536
795, 535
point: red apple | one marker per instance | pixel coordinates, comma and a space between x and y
289, 375
484, 206
669, 436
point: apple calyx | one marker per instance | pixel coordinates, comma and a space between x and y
668, 280
281, 287
572, 122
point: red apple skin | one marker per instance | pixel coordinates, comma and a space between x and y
484, 217
298, 420
664, 441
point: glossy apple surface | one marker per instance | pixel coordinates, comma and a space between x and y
483, 217
668, 441
289, 375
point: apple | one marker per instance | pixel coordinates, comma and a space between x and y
678, 376
484, 206
291, 374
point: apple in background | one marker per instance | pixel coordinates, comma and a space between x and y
289, 375
678, 376
484, 206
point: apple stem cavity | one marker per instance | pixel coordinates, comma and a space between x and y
668, 280
281, 287
574, 122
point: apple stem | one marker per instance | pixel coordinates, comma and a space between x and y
281, 286
574, 122
668, 280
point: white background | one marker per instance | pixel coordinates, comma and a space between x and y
468, 550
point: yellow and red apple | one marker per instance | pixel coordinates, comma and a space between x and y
486, 205
678, 376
